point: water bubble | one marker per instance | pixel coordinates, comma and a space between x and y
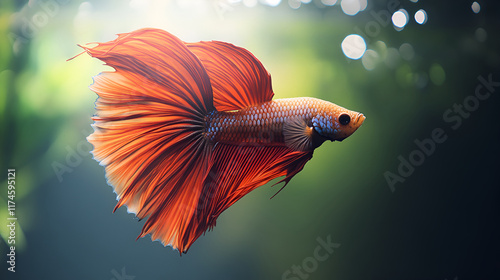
353, 46
421, 16
476, 7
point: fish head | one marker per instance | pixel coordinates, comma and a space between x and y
336, 123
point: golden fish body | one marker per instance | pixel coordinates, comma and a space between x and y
273, 123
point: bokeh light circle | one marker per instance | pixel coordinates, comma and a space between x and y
350, 7
294, 4
407, 52
353, 46
363, 4
399, 18
392, 58
329, 2
476, 7
250, 3
370, 59
437, 74
272, 3
481, 34
421, 16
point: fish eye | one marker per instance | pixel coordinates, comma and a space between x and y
344, 119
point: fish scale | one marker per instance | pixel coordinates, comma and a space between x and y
263, 123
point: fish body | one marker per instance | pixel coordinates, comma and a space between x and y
184, 130
268, 123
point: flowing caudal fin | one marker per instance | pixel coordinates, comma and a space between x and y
239, 80
148, 130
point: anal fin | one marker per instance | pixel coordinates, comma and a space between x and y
236, 171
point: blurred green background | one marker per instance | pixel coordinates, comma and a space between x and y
441, 222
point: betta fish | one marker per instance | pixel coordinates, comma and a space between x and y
184, 130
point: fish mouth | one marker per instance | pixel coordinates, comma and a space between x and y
360, 119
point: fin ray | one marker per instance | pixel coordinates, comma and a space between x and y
298, 135
238, 78
237, 170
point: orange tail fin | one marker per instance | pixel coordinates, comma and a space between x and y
149, 131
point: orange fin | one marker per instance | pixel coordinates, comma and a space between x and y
149, 130
237, 170
238, 78
159, 60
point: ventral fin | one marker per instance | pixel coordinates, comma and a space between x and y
298, 135
238, 78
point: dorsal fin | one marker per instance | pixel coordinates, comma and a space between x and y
238, 78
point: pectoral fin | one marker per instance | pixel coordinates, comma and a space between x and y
298, 135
